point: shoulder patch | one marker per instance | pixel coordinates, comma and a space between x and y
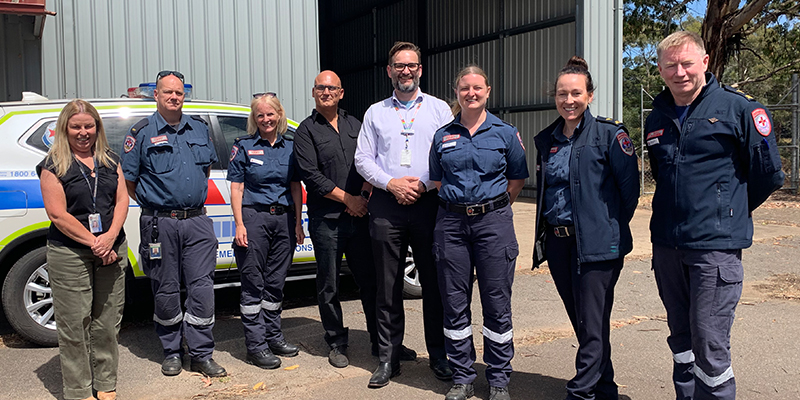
199, 118
234, 151
625, 143
130, 141
138, 126
739, 92
608, 120
762, 122
520, 140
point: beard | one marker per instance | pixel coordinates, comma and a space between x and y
410, 87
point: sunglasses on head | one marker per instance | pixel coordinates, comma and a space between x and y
165, 73
267, 94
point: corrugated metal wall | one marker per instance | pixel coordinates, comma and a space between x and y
227, 49
20, 57
521, 44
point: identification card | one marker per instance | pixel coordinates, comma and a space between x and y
405, 158
407, 132
155, 251
95, 224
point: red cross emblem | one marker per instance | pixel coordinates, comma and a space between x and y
762, 122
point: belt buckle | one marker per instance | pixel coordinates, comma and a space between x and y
474, 210
272, 210
173, 214
561, 231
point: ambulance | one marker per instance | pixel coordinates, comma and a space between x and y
27, 131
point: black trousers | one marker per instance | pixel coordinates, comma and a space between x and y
587, 290
394, 228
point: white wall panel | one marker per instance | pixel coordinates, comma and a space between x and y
227, 49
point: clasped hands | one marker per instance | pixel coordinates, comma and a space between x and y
102, 248
407, 190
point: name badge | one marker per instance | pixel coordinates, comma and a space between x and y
652, 142
448, 145
405, 158
95, 224
159, 139
155, 251
256, 161
255, 152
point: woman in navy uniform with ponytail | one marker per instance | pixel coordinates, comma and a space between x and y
266, 198
588, 181
477, 162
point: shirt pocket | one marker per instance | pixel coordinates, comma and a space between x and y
201, 151
161, 157
490, 155
453, 157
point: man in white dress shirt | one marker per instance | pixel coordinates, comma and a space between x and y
392, 155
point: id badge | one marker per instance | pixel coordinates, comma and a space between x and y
95, 224
405, 158
155, 251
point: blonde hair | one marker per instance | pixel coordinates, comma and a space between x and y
680, 38
272, 101
469, 69
60, 154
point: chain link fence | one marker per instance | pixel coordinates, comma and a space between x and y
786, 125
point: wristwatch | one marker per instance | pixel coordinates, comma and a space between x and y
365, 194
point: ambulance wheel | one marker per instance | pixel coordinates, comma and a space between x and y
28, 301
412, 289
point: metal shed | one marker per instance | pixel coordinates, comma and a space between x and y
521, 45
227, 49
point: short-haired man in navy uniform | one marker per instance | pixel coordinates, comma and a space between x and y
166, 159
715, 159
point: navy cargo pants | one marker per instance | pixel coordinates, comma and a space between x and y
587, 291
488, 243
700, 290
188, 251
263, 266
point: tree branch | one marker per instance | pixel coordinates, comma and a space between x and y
767, 75
746, 14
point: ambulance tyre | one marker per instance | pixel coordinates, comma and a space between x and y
28, 301
412, 289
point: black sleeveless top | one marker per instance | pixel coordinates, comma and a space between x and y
79, 197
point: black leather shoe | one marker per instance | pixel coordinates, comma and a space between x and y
338, 357
441, 369
284, 349
264, 359
460, 391
381, 376
172, 366
498, 393
208, 368
407, 354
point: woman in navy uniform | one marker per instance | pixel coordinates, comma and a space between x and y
477, 162
587, 175
266, 198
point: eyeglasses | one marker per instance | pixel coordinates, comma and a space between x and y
164, 74
321, 88
262, 94
399, 67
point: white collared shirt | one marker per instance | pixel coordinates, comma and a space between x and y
381, 144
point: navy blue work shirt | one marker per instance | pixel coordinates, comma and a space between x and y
265, 169
474, 169
558, 197
169, 164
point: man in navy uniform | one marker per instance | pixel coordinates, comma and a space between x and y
166, 159
715, 159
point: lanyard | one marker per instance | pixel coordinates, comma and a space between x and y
96, 174
407, 127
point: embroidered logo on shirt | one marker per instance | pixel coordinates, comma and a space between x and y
448, 138
130, 141
625, 143
554, 150
234, 151
655, 134
763, 125
255, 152
159, 139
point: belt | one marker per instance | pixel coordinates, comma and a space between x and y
477, 209
175, 214
274, 209
564, 231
